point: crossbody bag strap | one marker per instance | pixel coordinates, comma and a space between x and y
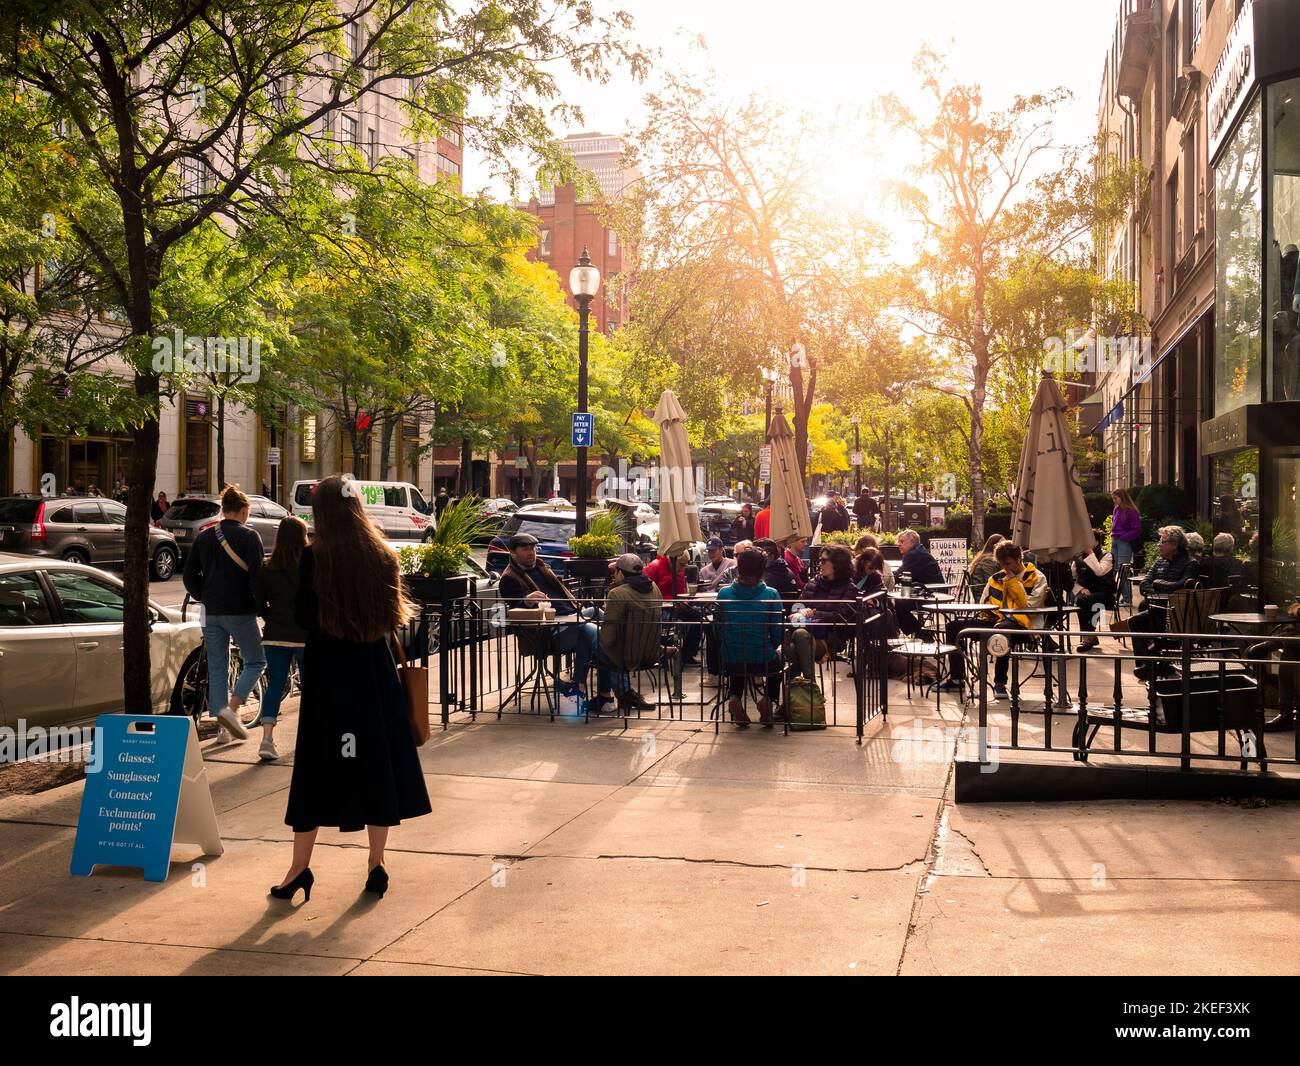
221, 539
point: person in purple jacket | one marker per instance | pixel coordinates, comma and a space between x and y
1125, 536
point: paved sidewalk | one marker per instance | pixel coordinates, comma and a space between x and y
571, 848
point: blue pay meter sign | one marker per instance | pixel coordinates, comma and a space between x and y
584, 429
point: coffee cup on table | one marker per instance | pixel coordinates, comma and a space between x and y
1271, 611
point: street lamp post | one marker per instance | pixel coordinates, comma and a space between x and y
916, 473
584, 283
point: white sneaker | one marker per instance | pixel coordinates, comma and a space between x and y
223, 735
712, 681
230, 720
266, 750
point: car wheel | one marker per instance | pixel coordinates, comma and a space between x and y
76, 555
164, 564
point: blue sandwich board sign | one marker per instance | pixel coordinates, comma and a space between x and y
584, 429
146, 787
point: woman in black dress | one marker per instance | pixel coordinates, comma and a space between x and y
355, 764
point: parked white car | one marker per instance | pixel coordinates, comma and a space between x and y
61, 646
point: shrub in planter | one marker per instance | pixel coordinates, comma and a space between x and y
426, 568
603, 539
1100, 506
846, 538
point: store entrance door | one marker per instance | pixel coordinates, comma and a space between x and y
88, 464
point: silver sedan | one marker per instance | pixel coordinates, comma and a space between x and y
61, 647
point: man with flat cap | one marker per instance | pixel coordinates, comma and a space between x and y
528, 581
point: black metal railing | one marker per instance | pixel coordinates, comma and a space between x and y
487, 661
1198, 700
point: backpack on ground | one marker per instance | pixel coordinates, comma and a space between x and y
805, 706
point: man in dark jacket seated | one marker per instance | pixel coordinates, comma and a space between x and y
922, 568
629, 632
1174, 570
528, 581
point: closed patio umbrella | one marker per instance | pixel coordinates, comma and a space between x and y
789, 505
679, 515
1051, 518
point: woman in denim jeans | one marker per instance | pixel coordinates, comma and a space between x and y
275, 592
219, 573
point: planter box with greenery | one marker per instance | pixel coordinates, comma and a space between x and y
434, 571
593, 551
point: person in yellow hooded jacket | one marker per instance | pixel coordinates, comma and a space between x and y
1016, 587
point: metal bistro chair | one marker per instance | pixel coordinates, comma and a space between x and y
755, 675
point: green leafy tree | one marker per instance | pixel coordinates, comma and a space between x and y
183, 112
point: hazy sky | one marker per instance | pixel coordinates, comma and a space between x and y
822, 55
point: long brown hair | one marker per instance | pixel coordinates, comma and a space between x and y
990, 546
1125, 500
290, 539
357, 583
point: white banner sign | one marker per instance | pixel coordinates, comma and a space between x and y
950, 554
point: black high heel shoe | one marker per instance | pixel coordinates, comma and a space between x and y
377, 882
304, 881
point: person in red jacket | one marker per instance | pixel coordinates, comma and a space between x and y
763, 523
660, 571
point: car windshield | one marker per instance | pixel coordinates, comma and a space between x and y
18, 510
541, 526
192, 510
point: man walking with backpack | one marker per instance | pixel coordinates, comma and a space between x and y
219, 574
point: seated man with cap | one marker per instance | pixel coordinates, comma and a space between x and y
714, 574
528, 581
629, 633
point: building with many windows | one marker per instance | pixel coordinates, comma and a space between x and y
1206, 94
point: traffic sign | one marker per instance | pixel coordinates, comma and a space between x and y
273, 456
765, 464
855, 459
584, 429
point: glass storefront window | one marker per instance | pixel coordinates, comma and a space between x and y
1284, 243
1279, 572
1238, 296
1234, 508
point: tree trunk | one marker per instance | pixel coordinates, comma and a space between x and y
803, 401
978, 393
221, 441
142, 470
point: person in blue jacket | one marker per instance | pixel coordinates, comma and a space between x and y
749, 617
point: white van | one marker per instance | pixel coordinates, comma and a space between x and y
396, 507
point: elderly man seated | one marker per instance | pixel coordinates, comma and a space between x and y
1224, 564
1174, 570
527, 581
1017, 586
918, 567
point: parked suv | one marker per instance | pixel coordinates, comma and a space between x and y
80, 529
189, 516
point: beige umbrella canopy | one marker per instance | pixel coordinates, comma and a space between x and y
789, 505
679, 515
1051, 518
